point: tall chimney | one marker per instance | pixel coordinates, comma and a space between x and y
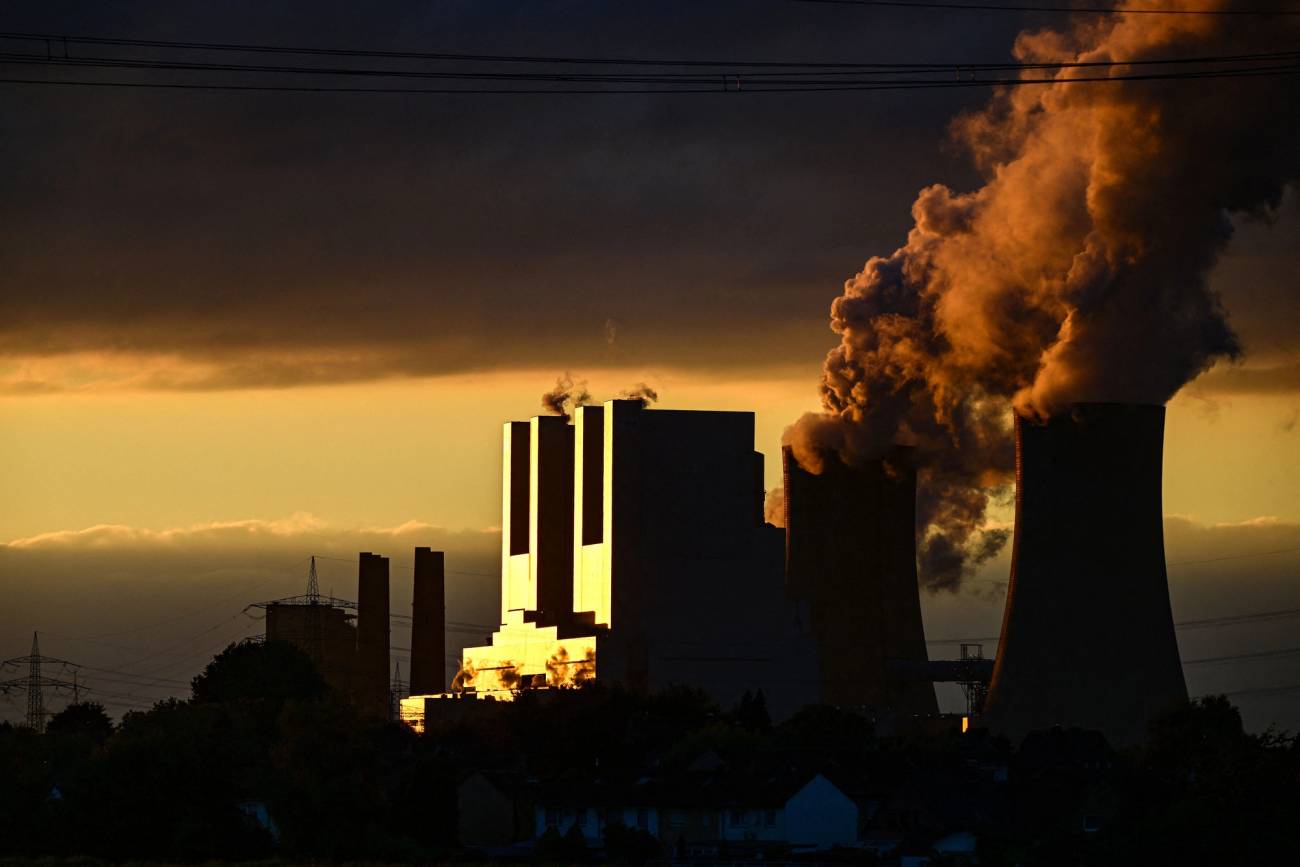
372, 635
851, 563
428, 627
1087, 634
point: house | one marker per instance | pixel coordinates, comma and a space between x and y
593, 805
800, 811
701, 812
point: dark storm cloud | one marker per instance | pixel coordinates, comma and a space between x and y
276, 239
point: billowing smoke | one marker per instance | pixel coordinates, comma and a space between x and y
566, 396
1078, 272
774, 507
565, 672
509, 675
570, 393
465, 676
641, 392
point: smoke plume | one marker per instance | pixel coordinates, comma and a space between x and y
774, 507
566, 396
641, 392
1078, 272
570, 393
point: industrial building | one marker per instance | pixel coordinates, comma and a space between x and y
851, 565
1088, 634
347, 641
324, 632
634, 550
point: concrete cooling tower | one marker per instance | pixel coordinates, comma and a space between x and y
851, 564
1087, 634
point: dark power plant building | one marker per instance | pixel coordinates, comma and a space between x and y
349, 641
1088, 634
634, 550
851, 564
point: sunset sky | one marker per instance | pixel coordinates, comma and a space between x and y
240, 329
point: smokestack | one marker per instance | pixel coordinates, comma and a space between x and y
372, 635
428, 626
1087, 635
851, 560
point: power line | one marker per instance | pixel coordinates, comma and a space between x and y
708, 79
1262, 654
64, 40
1234, 619
726, 87
1236, 557
1072, 10
1229, 620
706, 75
187, 614
1265, 690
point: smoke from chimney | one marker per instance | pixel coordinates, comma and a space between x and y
641, 392
566, 396
1078, 272
774, 507
570, 393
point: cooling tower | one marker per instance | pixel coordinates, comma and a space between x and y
372, 635
428, 624
1087, 634
851, 563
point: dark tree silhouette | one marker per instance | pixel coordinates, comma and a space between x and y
88, 719
273, 671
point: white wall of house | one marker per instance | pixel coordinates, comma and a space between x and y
820, 814
753, 824
592, 821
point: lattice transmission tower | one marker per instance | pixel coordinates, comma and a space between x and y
35, 683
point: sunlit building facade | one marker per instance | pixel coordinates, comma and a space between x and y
634, 550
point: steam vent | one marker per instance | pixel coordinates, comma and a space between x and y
1087, 635
851, 564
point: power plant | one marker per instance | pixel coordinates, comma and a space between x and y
1088, 634
634, 551
851, 562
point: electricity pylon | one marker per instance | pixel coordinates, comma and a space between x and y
35, 683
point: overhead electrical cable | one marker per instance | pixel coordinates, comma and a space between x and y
749, 70
1228, 620
1262, 654
727, 88
60, 40
1070, 10
556, 75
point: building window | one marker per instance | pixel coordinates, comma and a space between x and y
643, 818
737, 817
769, 818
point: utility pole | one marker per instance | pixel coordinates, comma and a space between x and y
35, 683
